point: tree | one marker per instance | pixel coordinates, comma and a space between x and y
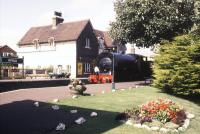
177, 67
146, 22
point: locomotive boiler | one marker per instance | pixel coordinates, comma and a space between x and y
127, 67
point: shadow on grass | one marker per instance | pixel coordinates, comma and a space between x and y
192, 98
22, 117
195, 99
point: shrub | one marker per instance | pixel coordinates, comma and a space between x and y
177, 67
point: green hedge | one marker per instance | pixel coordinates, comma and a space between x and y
177, 66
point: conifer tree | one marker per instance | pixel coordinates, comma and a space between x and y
177, 67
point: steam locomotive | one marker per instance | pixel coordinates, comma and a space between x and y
127, 67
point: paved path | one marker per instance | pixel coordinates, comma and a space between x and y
50, 93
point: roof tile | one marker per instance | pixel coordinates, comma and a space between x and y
107, 39
69, 31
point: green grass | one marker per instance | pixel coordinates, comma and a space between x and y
108, 105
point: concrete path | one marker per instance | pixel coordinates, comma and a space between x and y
49, 93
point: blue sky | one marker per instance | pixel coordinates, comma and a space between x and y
17, 16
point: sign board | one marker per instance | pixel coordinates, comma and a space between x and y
80, 68
11, 60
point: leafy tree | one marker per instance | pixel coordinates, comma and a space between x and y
146, 22
177, 67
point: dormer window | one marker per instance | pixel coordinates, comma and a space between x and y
101, 42
51, 41
36, 43
87, 43
5, 54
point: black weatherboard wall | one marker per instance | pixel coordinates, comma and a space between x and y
87, 55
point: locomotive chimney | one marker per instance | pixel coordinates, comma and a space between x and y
57, 19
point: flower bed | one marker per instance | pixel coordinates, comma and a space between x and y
160, 115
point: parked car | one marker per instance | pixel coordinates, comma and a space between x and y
60, 75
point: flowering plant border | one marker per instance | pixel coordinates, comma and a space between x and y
163, 110
162, 114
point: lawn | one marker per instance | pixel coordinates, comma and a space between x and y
108, 105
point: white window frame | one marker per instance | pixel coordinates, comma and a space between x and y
101, 43
5, 54
68, 68
51, 41
87, 43
87, 68
36, 43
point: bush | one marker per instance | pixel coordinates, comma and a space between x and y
76, 87
177, 67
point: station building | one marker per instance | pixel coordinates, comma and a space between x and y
69, 47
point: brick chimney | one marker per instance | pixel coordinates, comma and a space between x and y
57, 19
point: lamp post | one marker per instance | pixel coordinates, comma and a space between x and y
113, 72
23, 68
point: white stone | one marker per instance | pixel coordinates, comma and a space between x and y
122, 89
154, 128
182, 129
137, 125
171, 125
61, 126
179, 0
113, 90
190, 116
75, 96
73, 111
36, 104
146, 127
93, 114
80, 120
174, 131
55, 107
164, 130
103, 92
186, 123
129, 122
55, 100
